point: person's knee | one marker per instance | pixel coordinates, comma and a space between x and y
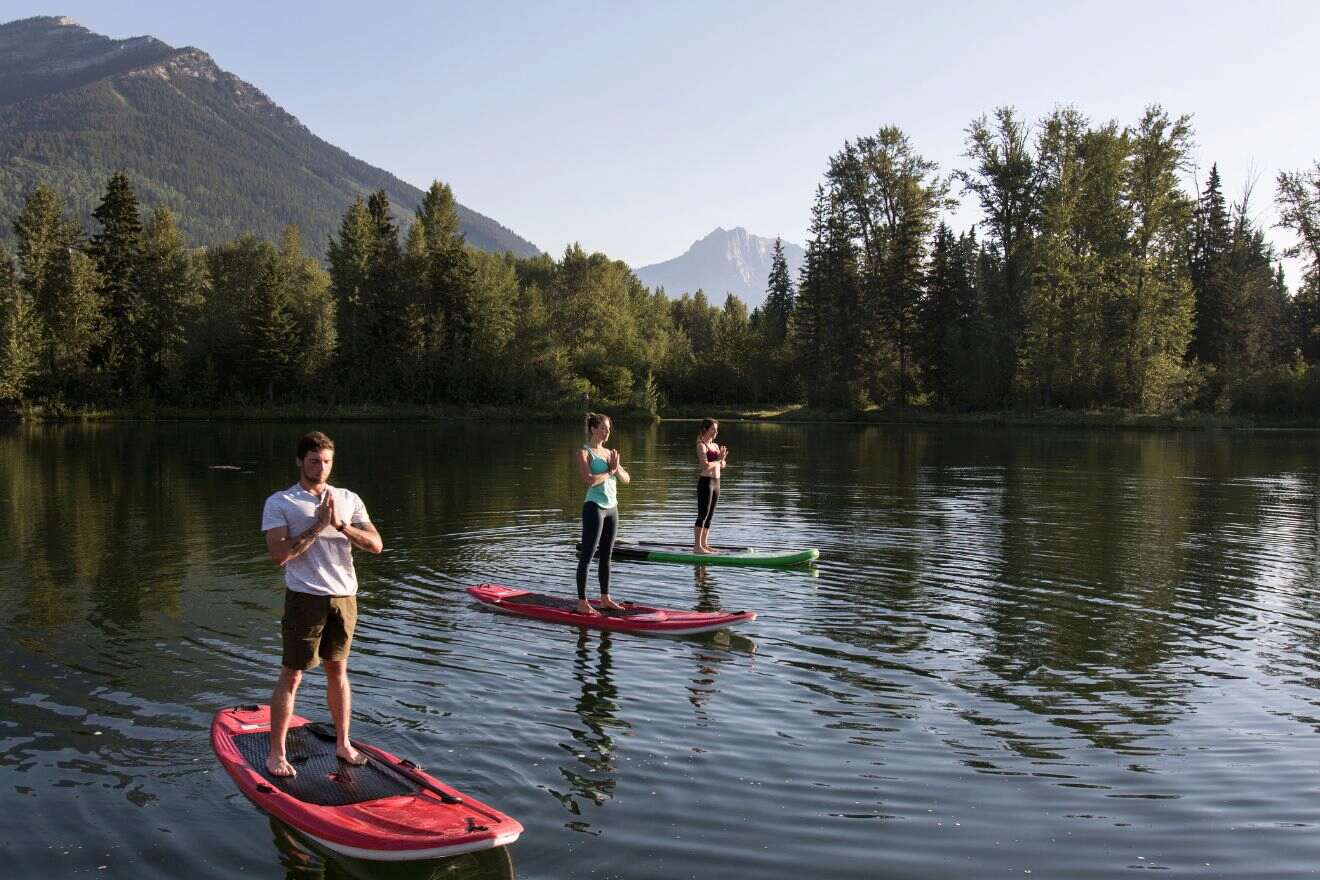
289, 679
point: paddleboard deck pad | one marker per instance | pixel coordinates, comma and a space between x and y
388, 809
633, 617
654, 551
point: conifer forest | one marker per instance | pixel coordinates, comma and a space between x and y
1106, 272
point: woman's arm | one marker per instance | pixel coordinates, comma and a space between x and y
616, 467
708, 468
584, 467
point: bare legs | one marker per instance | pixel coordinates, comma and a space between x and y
281, 708
340, 698
338, 695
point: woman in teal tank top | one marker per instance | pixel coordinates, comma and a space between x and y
601, 471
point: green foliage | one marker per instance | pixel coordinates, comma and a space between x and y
779, 298
20, 333
117, 250
951, 330
1298, 201
171, 282
1158, 323
1006, 180
77, 325
1100, 284
886, 199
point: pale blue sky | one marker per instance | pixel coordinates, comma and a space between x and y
637, 128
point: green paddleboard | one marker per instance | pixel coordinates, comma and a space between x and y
650, 551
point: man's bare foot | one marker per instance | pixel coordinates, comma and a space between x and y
351, 755
280, 766
584, 607
607, 602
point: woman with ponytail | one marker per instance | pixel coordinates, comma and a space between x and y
601, 470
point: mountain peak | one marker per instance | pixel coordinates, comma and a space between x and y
724, 261
42, 21
189, 134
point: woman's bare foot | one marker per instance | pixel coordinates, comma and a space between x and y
607, 602
351, 755
280, 767
584, 607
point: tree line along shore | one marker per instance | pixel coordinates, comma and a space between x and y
1096, 290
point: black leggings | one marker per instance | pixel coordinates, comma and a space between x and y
598, 528
708, 495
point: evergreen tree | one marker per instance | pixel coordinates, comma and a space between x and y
1212, 239
43, 233
77, 327
171, 287
116, 248
20, 333
62, 283
939, 314
812, 318
307, 292
1254, 301
351, 256
493, 298
778, 297
220, 356
448, 289
270, 332
41, 229
387, 294
833, 321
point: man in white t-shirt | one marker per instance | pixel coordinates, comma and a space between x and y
311, 529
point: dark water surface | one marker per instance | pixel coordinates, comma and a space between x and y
1063, 654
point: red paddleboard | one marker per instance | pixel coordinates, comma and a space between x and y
385, 810
633, 618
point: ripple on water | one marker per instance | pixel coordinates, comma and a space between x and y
1057, 652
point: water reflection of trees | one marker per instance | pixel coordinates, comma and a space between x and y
1084, 573
98, 525
593, 745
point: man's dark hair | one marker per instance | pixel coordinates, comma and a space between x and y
315, 441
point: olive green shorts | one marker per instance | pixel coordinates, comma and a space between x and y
316, 628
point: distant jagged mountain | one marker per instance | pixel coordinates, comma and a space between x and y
726, 261
76, 106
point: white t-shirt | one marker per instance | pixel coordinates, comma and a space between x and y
326, 567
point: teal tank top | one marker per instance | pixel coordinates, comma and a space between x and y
603, 495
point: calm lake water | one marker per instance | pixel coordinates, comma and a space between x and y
1056, 653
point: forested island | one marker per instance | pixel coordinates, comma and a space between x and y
1096, 281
